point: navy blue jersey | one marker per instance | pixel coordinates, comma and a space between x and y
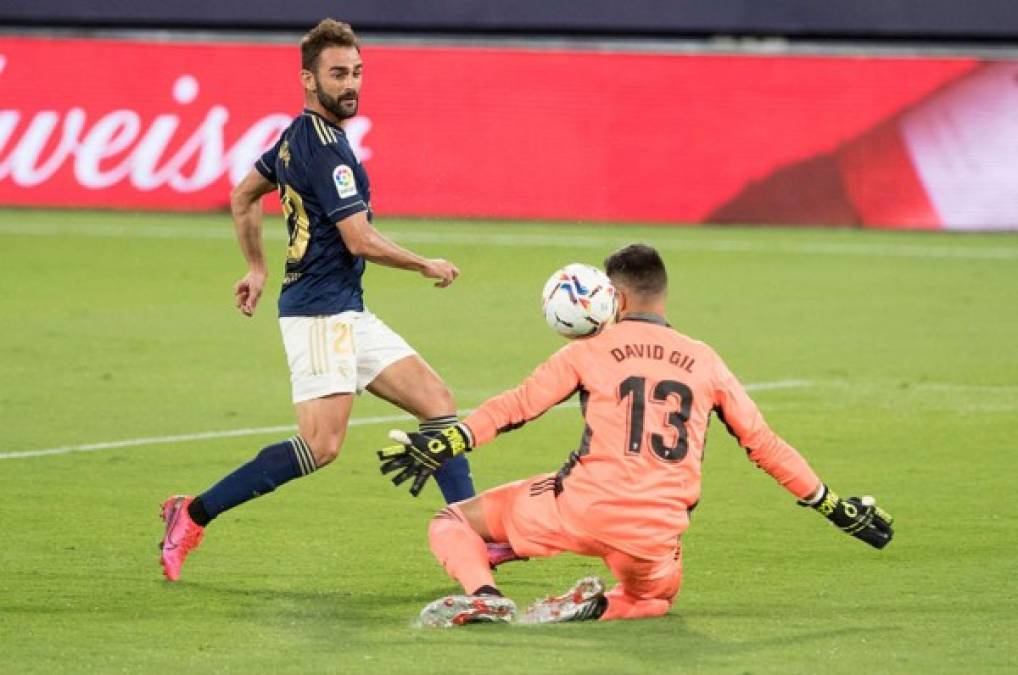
320, 183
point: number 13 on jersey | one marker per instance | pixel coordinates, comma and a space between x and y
672, 399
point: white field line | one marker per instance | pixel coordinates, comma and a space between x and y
509, 239
288, 428
184, 438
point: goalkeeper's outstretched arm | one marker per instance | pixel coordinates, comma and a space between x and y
857, 516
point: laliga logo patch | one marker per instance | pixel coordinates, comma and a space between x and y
346, 186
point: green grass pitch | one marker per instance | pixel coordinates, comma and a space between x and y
888, 359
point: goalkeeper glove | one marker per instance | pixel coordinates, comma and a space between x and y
418, 456
859, 517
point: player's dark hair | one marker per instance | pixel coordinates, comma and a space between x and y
328, 33
639, 268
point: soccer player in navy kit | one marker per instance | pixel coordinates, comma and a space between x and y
335, 348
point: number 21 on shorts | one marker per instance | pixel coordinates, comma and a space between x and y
341, 338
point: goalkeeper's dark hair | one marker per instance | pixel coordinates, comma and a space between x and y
639, 268
328, 33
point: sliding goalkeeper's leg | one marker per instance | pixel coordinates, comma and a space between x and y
465, 538
460, 550
463, 554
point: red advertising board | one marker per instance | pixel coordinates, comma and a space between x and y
512, 133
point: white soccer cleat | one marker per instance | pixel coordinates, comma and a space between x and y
458, 610
584, 601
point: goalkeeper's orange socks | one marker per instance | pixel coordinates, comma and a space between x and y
461, 551
622, 605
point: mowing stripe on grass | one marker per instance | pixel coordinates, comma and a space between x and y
287, 428
589, 240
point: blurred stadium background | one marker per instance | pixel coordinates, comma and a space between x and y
889, 114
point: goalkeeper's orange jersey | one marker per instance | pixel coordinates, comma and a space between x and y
646, 393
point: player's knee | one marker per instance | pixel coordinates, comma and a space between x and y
446, 517
325, 447
436, 397
442, 529
435, 527
442, 398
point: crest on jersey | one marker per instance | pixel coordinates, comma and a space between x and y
346, 186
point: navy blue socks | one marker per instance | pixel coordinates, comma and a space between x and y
453, 477
280, 463
273, 466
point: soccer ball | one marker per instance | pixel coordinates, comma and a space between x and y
579, 300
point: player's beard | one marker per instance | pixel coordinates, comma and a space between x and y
343, 107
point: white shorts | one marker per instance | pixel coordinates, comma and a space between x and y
338, 354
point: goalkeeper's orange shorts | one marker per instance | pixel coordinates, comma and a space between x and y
525, 514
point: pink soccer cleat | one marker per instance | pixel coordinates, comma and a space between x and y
499, 553
182, 535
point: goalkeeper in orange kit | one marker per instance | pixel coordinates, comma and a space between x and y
646, 393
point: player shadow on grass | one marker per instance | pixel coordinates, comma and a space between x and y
669, 638
685, 646
672, 637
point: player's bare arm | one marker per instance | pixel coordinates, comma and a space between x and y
362, 239
246, 208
